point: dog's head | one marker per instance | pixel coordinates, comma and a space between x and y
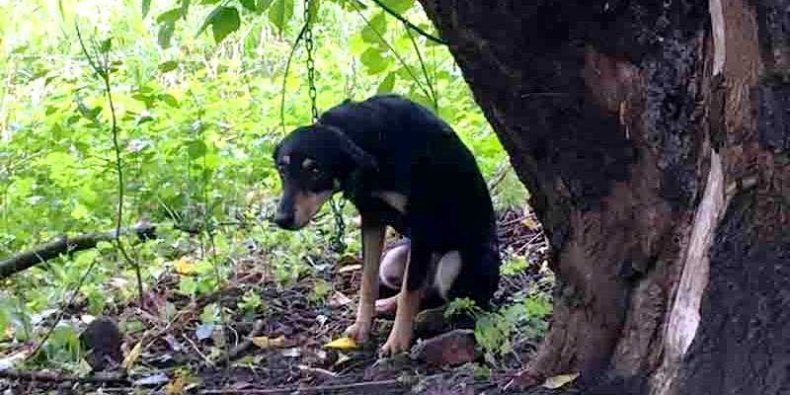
313, 163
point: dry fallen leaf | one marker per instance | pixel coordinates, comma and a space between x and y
175, 387
184, 266
265, 342
341, 359
343, 343
338, 299
530, 223
133, 356
558, 381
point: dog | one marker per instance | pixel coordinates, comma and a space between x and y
400, 166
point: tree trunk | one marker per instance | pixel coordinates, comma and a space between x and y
654, 137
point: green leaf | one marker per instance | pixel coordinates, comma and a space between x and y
169, 16
196, 148
249, 5
398, 6
264, 4
146, 7
386, 85
170, 65
313, 11
169, 99
225, 22
165, 34
105, 45
376, 28
280, 13
374, 61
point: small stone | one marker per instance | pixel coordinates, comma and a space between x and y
452, 348
102, 342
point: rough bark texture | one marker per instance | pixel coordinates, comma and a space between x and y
654, 138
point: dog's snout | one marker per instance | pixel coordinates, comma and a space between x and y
284, 219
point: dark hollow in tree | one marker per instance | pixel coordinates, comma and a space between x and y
654, 137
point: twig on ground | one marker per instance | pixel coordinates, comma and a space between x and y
367, 385
55, 377
197, 350
241, 347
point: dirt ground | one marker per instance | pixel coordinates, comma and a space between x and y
177, 355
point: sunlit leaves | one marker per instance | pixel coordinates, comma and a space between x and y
169, 16
280, 13
250, 5
398, 6
223, 21
146, 7
387, 84
374, 61
165, 34
168, 66
375, 29
263, 5
315, 5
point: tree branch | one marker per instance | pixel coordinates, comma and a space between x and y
66, 245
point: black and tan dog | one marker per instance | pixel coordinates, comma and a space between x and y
400, 166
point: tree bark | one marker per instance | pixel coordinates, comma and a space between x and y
654, 138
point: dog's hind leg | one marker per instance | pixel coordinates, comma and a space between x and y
372, 243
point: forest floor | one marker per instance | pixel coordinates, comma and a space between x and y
282, 350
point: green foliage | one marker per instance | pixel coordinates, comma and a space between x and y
496, 330
198, 118
223, 21
280, 13
250, 302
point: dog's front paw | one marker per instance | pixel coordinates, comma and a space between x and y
359, 331
397, 342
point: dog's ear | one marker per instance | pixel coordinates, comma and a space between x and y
362, 161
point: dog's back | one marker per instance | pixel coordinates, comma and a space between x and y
420, 156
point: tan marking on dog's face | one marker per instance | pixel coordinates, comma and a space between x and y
286, 160
395, 200
306, 204
307, 163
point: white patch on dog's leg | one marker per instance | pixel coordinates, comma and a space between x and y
393, 265
446, 272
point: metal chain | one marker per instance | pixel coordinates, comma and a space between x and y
308, 39
338, 244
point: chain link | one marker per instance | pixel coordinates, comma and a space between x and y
338, 244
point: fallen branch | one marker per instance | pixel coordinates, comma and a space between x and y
367, 385
66, 245
55, 377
